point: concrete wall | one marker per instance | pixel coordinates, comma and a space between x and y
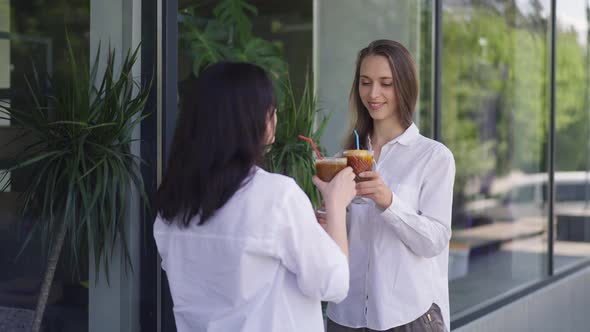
115, 307
341, 29
561, 306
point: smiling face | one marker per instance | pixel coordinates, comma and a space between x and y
376, 88
385, 87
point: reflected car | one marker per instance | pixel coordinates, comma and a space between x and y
525, 195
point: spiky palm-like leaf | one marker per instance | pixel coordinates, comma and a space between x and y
290, 155
82, 171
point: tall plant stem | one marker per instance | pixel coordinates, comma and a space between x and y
48, 277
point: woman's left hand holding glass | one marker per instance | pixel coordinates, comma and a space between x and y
374, 188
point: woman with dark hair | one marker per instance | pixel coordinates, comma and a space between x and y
241, 247
399, 242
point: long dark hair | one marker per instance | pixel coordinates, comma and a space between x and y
405, 87
220, 136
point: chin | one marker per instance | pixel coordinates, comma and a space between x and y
377, 115
381, 116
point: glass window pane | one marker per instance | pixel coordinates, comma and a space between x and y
495, 112
572, 135
277, 35
409, 22
32, 33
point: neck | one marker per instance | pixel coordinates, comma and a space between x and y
385, 130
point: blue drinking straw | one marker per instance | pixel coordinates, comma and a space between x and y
357, 140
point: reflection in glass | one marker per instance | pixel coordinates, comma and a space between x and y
408, 22
572, 137
495, 120
32, 33
276, 35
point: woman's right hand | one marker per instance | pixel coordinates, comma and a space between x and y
337, 194
340, 191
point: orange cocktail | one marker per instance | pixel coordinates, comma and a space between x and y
360, 161
327, 168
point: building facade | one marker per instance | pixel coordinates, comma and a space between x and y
505, 84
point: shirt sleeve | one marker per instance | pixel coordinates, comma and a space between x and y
427, 231
320, 266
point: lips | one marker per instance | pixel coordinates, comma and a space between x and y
375, 106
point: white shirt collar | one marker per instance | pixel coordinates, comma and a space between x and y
406, 138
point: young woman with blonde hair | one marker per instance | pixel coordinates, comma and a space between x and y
399, 241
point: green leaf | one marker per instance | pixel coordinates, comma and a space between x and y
289, 155
234, 15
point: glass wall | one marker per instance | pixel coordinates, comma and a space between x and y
494, 113
337, 45
277, 35
32, 34
274, 35
572, 134
495, 119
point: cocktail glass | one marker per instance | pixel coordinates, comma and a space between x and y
360, 161
326, 169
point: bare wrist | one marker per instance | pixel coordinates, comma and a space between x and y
333, 204
388, 203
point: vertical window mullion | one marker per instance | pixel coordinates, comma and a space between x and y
437, 72
551, 145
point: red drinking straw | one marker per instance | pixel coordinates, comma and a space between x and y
312, 145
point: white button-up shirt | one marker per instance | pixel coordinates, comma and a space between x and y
399, 256
261, 263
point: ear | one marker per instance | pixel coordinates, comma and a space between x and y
271, 126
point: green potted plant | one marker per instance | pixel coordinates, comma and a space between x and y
289, 154
80, 164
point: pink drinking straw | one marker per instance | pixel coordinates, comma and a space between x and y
312, 145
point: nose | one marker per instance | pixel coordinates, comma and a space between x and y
375, 90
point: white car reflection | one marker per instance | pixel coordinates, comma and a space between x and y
525, 195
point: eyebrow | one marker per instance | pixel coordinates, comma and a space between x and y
383, 77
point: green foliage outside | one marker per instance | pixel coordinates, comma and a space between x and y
46, 22
495, 102
495, 91
226, 34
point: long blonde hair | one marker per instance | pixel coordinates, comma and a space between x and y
405, 87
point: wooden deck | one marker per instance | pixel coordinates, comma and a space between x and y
496, 234
538, 244
526, 235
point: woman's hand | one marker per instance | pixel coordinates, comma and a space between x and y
340, 191
374, 188
337, 194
